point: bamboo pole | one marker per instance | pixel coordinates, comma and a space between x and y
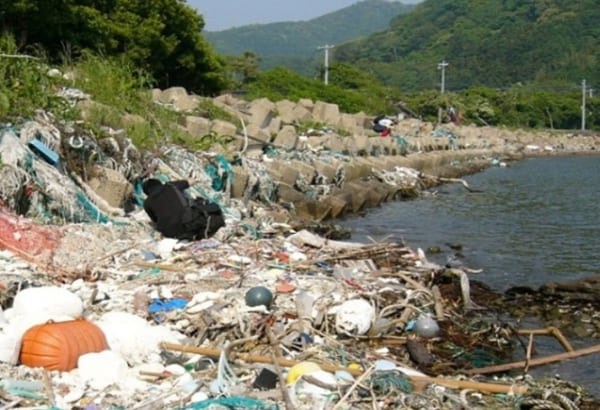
437, 298
454, 384
535, 362
251, 358
529, 350
554, 331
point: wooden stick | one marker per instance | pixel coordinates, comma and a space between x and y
535, 362
529, 349
171, 268
442, 179
451, 383
467, 384
554, 331
208, 351
275, 356
561, 338
437, 297
353, 387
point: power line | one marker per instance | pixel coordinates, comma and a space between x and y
326, 47
442, 66
583, 92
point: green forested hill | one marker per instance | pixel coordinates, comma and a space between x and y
290, 44
554, 43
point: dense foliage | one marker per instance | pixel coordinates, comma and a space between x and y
296, 44
350, 89
487, 43
498, 74
516, 107
160, 36
24, 85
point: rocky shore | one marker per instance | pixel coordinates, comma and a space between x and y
273, 311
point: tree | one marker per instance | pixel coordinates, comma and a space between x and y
161, 36
243, 69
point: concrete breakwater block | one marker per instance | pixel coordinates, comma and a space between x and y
326, 169
283, 172
338, 205
239, 183
358, 191
287, 193
312, 210
379, 192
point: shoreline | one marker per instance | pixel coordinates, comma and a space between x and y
360, 322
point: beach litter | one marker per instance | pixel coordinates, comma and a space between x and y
266, 314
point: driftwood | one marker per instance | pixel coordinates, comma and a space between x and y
446, 180
535, 362
553, 331
438, 307
451, 383
161, 266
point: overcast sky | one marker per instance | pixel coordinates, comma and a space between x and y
224, 14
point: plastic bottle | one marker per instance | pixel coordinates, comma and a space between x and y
304, 305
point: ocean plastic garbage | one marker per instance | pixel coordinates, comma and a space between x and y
426, 326
58, 346
233, 402
259, 295
324, 383
44, 152
344, 377
100, 370
354, 316
10, 344
187, 384
300, 369
24, 388
159, 305
304, 305
266, 380
31, 385
385, 366
134, 338
47, 302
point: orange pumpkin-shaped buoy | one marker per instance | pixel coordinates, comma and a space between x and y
58, 345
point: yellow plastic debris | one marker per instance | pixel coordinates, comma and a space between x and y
300, 369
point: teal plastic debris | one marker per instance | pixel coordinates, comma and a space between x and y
233, 403
220, 174
44, 152
23, 388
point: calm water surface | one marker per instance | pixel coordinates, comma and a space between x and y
536, 221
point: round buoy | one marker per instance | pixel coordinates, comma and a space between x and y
259, 295
426, 326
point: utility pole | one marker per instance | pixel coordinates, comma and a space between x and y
583, 89
326, 47
442, 66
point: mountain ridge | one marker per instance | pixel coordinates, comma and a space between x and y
277, 43
494, 44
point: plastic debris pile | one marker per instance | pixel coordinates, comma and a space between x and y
264, 315
291, 318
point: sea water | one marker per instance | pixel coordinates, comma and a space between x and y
533, 222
